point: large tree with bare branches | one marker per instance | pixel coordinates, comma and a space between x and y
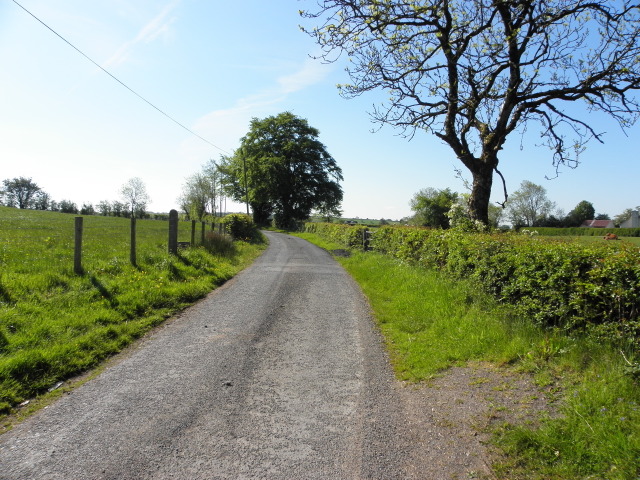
472, 72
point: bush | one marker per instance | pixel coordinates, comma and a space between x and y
241, 227
218, 244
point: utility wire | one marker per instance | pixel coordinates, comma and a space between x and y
119, 81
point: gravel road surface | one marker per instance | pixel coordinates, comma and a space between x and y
279, 374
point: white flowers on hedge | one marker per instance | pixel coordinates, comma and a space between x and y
460, 219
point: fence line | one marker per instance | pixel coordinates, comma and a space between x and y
25, 241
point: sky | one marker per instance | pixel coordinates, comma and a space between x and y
212, 67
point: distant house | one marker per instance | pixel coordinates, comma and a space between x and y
598, 224
633, 222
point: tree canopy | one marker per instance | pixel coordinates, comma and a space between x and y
201, 192
20, 192
472, 72
431, 207
281, 168
529, 205
135, 196
582, 211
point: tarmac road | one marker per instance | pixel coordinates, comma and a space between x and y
279, 374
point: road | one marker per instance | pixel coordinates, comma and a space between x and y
278, 374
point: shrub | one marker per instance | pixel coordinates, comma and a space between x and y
218, 244
241, 227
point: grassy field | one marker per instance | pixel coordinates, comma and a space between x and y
55, 324
588, 239
431, 323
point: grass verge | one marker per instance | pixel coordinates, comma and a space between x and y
55, 324
431, 323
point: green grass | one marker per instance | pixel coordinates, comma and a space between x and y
55, 324
431, 323
593, 239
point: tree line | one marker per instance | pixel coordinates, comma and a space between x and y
23, 192
529, 206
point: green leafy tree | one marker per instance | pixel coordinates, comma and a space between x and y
104, 207
624, 215
20, 192
201, 192
583, 211
473, 72
67, 206
529, 206
282, 169
42, 201
87, 209
430, 207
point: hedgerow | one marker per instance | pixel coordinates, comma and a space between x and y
556, 283
349, 236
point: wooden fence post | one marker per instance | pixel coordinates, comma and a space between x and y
132, 252
173, 232
193, 233
77, 254
204, 225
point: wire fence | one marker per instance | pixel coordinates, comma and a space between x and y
29, 242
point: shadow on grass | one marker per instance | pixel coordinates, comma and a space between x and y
103, 291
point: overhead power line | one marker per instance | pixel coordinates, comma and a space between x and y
118, 80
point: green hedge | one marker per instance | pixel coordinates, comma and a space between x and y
349, 236
585, 232
555, 283
241, 227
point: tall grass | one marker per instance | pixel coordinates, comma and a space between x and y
431, 322
54, 323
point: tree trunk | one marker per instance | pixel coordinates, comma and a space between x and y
481, 192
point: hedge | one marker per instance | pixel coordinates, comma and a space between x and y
349, 236
555, 283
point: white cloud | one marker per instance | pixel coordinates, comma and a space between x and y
158, 26
225, 127
312, 72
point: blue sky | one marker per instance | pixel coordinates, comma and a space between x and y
213, 65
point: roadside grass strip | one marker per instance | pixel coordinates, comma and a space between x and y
431, 323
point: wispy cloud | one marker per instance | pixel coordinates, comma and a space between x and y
311, 73
226, 126
158, 26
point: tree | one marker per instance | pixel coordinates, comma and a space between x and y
67, 206
583, 211
282, 168
529, 205
201, 192
473, 72
134, 194
87, 209
104, 207
624, 216
20, 192
431, 207
42, 201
